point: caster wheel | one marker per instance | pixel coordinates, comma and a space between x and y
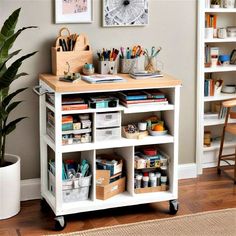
60, 223
174, 207
218, 171
44, 205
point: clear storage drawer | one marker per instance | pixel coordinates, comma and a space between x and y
105, 120
108, 134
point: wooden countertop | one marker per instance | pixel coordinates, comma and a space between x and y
64, 87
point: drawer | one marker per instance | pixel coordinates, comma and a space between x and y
110, 119
108, 134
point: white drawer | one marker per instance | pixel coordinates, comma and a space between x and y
105, 120
108, 134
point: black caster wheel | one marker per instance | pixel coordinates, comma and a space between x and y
44, 205
60, 223
174, 207
218, 171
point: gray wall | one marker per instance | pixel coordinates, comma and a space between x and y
172, 25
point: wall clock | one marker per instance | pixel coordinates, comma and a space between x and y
125, 12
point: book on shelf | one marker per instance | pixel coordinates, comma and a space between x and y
72, 99
211, 21
132, 95
152, 100
209, 87
156, 103
74, 107
154, 94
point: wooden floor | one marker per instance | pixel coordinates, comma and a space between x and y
207, 192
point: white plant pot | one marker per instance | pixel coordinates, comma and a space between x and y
10, 188
215, 6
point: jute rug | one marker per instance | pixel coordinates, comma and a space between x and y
222, 222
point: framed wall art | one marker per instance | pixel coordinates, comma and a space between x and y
73, 11
125, 13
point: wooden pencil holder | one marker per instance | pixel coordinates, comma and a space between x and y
73, 60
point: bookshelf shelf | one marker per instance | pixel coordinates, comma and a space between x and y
227, 68
220, 10
216, 145
220, 97
216, 121
207, 49
217, 40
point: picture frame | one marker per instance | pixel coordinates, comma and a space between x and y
120, 13
73, 11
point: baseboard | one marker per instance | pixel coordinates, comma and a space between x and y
30, 188
187, 171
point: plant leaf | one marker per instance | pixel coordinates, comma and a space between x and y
7, 44
11, 126
9, 25
10, 75
3, 114
8, 99
8, 58
12, 106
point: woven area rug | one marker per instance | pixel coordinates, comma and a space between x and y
221, 222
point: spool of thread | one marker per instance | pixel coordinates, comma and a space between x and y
138, 181
163, 182
158, 177
163, 161
163, 170
145, 181
153, 180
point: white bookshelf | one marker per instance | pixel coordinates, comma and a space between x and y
207, 156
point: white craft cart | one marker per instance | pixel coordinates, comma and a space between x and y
168, 143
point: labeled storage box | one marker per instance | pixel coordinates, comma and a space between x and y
74, 60
104, 192
108, 134
110, 119
72, 190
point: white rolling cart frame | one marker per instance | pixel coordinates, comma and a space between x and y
124, 147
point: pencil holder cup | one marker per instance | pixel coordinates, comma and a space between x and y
107, 67
128, 65
152, 64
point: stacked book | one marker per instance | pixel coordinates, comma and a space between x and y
147, 97
145, 75
71, 102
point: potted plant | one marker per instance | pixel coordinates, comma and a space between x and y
215, 3
9, 164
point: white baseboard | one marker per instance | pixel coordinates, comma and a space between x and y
187, 171
30, 188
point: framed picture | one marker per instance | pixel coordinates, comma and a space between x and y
125, 13
73, 11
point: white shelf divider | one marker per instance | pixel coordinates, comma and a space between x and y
218, 40
220, 10
216, 145
216, 121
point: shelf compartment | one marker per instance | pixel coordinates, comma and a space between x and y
227, 68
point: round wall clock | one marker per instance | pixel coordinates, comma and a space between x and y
125, 12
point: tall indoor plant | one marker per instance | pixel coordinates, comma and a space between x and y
9, 164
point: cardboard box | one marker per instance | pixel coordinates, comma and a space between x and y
110, 190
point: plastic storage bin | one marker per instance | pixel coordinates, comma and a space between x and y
72, 190
108, 134
105, 120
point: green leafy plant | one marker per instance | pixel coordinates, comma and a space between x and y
8, 74
215, 2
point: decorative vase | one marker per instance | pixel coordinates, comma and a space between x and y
10, 187
228, 3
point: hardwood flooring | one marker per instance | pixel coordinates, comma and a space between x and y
205, 193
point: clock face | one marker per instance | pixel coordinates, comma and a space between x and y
125, 12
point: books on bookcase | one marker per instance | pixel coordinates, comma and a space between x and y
146, 97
